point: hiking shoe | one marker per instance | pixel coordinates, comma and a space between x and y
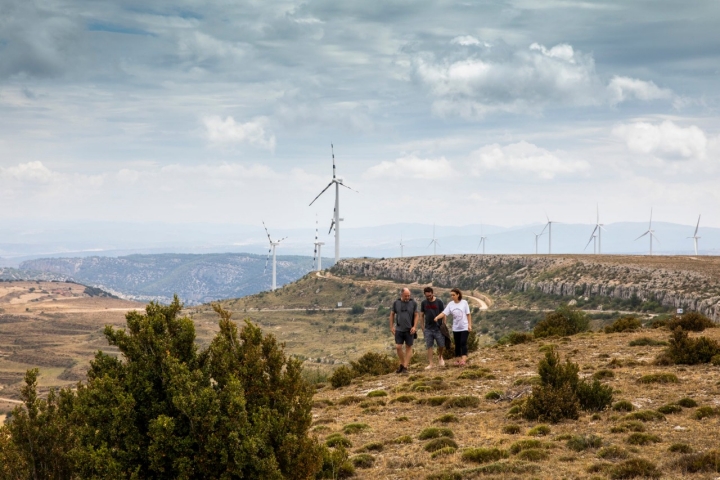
399, 369
429, 367
405, 370
441, 362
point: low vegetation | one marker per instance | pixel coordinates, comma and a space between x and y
562, 322
683, 350
624, 324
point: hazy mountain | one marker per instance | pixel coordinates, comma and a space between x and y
195, 278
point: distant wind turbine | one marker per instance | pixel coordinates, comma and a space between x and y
434, 242
482, 240
317, 256
548, 225
596, 234
338, 182
402, 245
537, 236
651, 233
274, 263
695, 236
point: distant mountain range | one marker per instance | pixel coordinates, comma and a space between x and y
20, 241
194, 278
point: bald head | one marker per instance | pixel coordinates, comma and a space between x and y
405, 294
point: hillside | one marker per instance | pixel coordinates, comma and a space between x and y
194, 278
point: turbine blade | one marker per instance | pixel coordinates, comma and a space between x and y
343, 185
591, 239
332, 224
653, 235
431, 242
697, 226
638, 238
324, 190
284, 238
266, 261
650, 228
332, 150
266, 231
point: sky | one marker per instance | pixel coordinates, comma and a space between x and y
439, 112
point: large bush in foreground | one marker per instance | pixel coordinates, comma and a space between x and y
562, 322
238, 409
688, 351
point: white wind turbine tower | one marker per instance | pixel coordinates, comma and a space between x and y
318, 249
537, 236
695, 236
274, 263
402, 245
596, 235
651, 233
434, 242
338, 182
548, 225
482, 240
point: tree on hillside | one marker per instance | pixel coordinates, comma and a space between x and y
238, 409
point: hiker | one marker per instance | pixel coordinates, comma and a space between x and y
403, 324
462, 324
431, 308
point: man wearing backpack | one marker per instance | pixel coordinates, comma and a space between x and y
403, 324
431, 307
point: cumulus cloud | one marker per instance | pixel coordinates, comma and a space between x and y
412, 167
31, 172
467, 40
228, 131
522, 158
621, 89
524, 81
666, 140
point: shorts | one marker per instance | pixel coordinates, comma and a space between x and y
434, 335
404, 337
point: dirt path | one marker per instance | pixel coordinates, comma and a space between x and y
9, 400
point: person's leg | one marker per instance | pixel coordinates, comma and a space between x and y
408, 355
399, 350
441, 349
456, 338
429, 345
463, 349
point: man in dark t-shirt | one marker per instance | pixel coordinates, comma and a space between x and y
404, 318
431, 307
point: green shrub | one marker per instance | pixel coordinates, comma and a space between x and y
623, 406
377, 393
493, 395
687, 403
700, 462
631, 426
374, 364
337, 440
594, 396
715, 360
638, 438
683, 350
475, 375
363, 460
443, 451
357, 309
372, 447
669, 409
484, 455
516, 338
435, 432
402, 419
659, 378
335, 464
646, 342
446, 475
352, 428
645, 416
691, 321
613, 452
402, 439
404, 399
521, 445
562, 322
634, 468
438, 443
624, 324
433, 401
447, 418
533, 455
680, 448
511, 429
341, 377
659, 322
349, 400
463, 402
704, 412
603, 374
539, 431
584, 442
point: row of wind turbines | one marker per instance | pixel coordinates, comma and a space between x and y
334, 225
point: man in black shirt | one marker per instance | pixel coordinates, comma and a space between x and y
403, 324
432, 307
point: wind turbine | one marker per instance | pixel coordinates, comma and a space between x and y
548, 225
537, 235
318, 249
402, 245
651, 232
482, 240
274, 263
596, 235
338, 182
434, 242
695, 235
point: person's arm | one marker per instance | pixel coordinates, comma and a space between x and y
469, 317
392, 320
443, 314
413, 330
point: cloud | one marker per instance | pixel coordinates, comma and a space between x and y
524, 81
522, 158
227, 131
412, 167
31, 172
666, 140
621, 89
467, 40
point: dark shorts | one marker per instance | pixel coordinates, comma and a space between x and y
404, 337
433, 335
